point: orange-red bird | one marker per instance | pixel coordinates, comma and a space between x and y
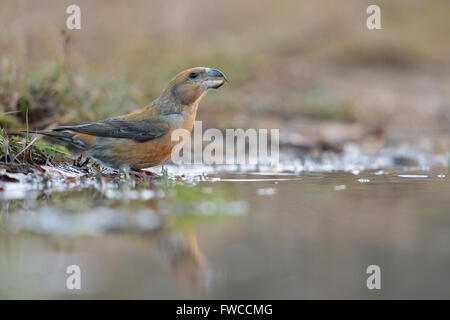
142, 139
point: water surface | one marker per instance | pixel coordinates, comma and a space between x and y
234, 235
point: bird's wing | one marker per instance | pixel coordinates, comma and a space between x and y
141, 131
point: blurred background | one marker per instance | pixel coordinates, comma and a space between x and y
306, 229
311, 68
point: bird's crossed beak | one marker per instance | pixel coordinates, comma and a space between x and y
214, 79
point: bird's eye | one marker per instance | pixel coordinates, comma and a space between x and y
193, 75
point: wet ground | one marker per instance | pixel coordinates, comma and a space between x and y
308, 229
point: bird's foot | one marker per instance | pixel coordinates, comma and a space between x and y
78, 162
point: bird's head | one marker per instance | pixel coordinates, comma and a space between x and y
189, 86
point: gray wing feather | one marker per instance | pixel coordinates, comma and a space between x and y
140, 131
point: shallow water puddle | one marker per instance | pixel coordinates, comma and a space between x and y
210, 232
257, 180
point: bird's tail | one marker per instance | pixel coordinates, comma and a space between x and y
60, 135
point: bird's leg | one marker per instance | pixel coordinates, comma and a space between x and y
85, 162
77, 161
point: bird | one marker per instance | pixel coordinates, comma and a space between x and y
142, 139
